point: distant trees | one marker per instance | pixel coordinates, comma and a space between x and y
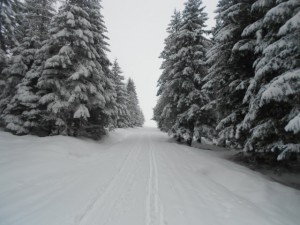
123, 118
59, 79
246, 94
136, 115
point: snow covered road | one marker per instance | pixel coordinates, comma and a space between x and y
133, 177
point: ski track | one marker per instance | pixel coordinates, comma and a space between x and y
154, 205
107, 201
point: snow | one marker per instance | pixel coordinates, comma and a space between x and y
294, 125
291, 25
134, 177
82, 112
282, 86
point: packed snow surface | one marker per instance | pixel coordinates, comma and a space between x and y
133, 177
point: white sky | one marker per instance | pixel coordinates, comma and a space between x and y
137, 29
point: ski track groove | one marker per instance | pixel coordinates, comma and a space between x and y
122, 195
154, 206
100, 198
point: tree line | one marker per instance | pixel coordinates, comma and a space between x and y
241, 87
56, 77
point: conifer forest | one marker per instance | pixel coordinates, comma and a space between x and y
56, 77
241, 87
149, 112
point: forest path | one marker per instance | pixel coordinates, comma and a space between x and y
136, 177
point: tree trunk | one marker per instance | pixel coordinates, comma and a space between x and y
190, 140
178, 138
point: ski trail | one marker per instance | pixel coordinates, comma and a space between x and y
105, 200
141, 180
122, 192
154, 206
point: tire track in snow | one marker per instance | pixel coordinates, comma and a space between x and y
154, 206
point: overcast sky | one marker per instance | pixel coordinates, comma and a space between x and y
137, 29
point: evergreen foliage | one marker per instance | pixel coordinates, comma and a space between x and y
76, 90
36, 22
249, 97
165, 112
230, 63
58, 79
123, 116
183, 71
274, 93
9, 11
136, 115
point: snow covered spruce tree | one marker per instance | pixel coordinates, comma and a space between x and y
188, 71
37, 16
230, 63
165, 111
136, 115
10, 13
76, 86
123, 116
274, 94
69, 89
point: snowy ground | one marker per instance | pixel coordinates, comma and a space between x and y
133, 177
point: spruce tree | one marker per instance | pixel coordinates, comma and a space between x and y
76, 86
38, 14
273, 96
10, 12
69, 88
36, 23
189, 70
136, 114
101, 46
123, 117
165, 112
230, 63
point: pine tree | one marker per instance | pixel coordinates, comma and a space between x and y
230, 63
69, 89
189, 69
20, 62
3, 64
38, 14
123, 117
165, 112
273, 96
36, 22
76, 84
136, 114
9, 21
9, 10
101, 45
